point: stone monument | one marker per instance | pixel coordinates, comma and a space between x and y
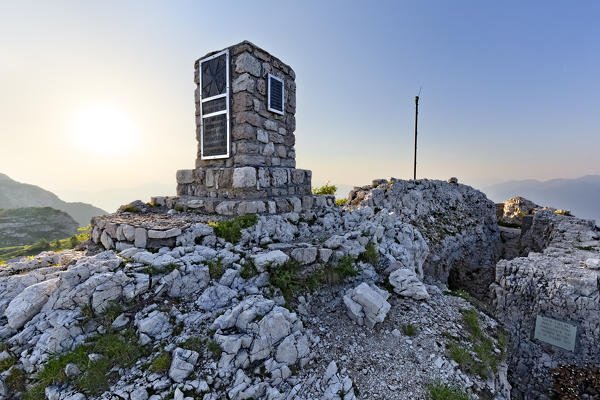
245, 122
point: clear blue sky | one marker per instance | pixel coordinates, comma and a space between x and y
511, 90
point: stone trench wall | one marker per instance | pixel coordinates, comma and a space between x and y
458, 222
560, 281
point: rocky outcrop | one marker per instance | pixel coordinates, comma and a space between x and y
457, 221
554, 281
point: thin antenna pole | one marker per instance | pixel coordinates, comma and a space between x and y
416, 120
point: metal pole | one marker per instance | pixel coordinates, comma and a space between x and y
416, 119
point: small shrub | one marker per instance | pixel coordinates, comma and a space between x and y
131, 208
409, 330
161, 363
444, 391
472, 323
111, 312
370, 255
216, 269
248, 269
215, 349
314, 280
170, 267
231, 230
179, 208
325, 189
341, 202
285, 277
346, 268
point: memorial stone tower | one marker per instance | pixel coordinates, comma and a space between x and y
245, 123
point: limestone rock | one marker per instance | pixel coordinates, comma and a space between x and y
366, 304
407, 284
28, 303
273, 258
182, 364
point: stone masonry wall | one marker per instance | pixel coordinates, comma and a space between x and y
258, 137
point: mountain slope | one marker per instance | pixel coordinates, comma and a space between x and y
581, 195
20, 226
14, 194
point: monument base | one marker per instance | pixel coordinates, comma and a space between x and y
232, 207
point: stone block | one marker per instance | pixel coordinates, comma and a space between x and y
244, 82
297, 176
279, 176
244, 177
245, 62
244, 132
141, 238
185, 176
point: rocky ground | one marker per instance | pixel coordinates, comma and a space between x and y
334, 303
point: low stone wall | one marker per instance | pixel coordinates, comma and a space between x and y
124, 230
244, 182
558, 283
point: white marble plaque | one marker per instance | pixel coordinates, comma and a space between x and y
557, 333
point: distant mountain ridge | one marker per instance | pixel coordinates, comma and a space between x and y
15, 194
27, 225
580, 195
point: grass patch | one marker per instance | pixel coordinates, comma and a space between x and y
486, 360
231, 230
586, 248
15, 381
370, 255
117, 349
409, 330
444, 391
216, 269
325, 189
508, 224
161, 363
345, 267
341, 202
194, 343
7, 363
215, 349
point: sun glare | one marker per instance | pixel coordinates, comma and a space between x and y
103, 129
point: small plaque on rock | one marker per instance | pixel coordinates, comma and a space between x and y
557, 333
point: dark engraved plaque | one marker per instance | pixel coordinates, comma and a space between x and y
214, 76
211, 106
214, 140
276, 95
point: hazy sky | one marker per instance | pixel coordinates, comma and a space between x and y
98, 96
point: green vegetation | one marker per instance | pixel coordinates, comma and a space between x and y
195, 343
444, 391
9, 252
7, 363
341, 202
586, 248
485, 360
248, 269
409, 330
215, 349
15, 381
345, 267
161, 363
287, 278
508, 224
131, 208
370, 255
216, 269
116, 350
325, 189
231, 230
